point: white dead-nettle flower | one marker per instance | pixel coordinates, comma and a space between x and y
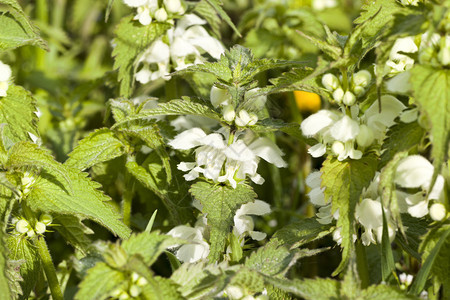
243, 222
323, 4
197, 248
187, 41
317, 125
399, 62
5, 75
145, 9
444, 53
220, 162
416, 172
369, 214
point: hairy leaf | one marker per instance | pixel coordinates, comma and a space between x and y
302, 232
131, 39
20, 248
431, 88
217, 5
319, 288
17, 111
4, 284
381, 291
100, 282
99, 146
220, 204
85, 200
149, 245
73, 231
344, 182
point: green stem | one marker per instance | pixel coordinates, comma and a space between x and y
58, 13
42, 16
231, 138
49, 268
344, 79
363, 269
171, 89
127, 199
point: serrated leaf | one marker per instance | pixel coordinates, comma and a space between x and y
131, 39
270, 125
319, 288
400, 137
174, 108
73, 231
381, 291
149, 245
20, 248
164, 288
220, 204
4, 282
415, 229
28, 155
206, 11
99, 146
435, 248
431, 89
17, 111
344, 182
302, 232
85, 200
100, 281
17, 29
333, 51
217, 5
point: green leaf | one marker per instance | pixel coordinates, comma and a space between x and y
400, 137
17, 30
99, 146
435, 248
302, 232
382, 291
333, 51
17, 111
268, 125
28, 155
319, 288
220, 204
4, 282
85, 200
20, 248
149, 245
387, 257
131, 39
205, 10
344, 182
415, 229
431, 88
73, 231
164, 288
174, 108
217, 5
100, 282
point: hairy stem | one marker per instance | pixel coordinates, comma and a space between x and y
49, 268
127, 199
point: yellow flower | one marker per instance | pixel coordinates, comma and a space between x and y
306, 101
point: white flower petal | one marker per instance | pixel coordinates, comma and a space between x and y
414, 171
5, 72
257, 208
257, 235
269, 151
345, 129
317, 150
188, 139
317, 122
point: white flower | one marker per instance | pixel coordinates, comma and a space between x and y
5, 75
400, 62
438, 211
399, 83
145, 10
174, 6
219, 96
243, 223
349, 98
330, 82
213, 152
161, 15
245, 119
345, 129
196, 249
323, 4
362, 78
157, 54
378, 120
316, 195
318, 122
369, 214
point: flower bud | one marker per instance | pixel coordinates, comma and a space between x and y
358, 90
134, 276
219, 96
135, 291
31, 233
174, 6
337, 147
22, 226
444, 53
40, 227
228, 113
349, 99
244, 118
365, 136
438, 211
141, 281
330, 82
362, 78
161, 15
338, 95
46, 219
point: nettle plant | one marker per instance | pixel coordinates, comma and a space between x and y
195, 171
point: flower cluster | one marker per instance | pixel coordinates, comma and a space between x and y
5, 75
147, 10
135, 288
224, 158
23, 227
181, 46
